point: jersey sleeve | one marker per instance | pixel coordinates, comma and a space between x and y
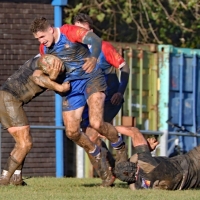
41, 49
112, 56
73, 33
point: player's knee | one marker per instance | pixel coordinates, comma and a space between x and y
28, 143
93, 135
96, 124
25, 146
73, 135
93, 138
28, 146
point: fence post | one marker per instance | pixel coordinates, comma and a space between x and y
164, 143
0, 145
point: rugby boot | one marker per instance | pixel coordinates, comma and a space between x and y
111, 164
16, 179
4, 178
99, 163
102, 167
10, 166
110, 158
121, 154
110, 179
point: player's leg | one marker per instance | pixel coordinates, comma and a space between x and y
95, 96
96, 106
72, 120
94, 137
22, 147
73, 106
13, 118
133, 132
16, 178
110, 111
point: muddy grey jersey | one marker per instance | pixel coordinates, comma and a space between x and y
179, 172
21, 85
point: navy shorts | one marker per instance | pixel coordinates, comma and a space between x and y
82, 89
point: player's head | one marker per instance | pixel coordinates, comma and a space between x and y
46, 63
43, 31
83, 20
126, 171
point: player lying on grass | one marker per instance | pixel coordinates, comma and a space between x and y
144, 171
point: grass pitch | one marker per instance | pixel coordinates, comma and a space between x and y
80, 189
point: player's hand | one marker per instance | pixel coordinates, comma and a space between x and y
66, 86
57, 64
90, 64
56, 68
152, 142
50, 65
116, 98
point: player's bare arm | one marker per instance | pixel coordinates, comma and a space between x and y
44, 81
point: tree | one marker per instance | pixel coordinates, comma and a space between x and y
154, 21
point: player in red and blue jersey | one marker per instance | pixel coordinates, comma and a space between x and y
87, 81
109, 60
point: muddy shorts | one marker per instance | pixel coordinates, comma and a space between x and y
81, 90
12, 113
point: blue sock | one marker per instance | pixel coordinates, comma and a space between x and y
118, 144
96, 151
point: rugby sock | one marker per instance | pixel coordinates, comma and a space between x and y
19, 168
96, 152
119, 144
17, 172
10, 166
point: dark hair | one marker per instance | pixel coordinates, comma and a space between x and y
39, 24
81, 17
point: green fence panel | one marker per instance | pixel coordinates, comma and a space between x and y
141, 99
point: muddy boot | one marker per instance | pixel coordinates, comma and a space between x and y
9, 169
16, 179
100, 163
110, 157
110, 179
121, 154
4, 178
111, 164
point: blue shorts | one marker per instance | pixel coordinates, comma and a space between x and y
110, 111
82, 89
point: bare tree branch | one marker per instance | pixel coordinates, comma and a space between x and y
171, 19
148, 21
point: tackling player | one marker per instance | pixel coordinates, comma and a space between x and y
19, 89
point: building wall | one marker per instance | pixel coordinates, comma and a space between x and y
18, 45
